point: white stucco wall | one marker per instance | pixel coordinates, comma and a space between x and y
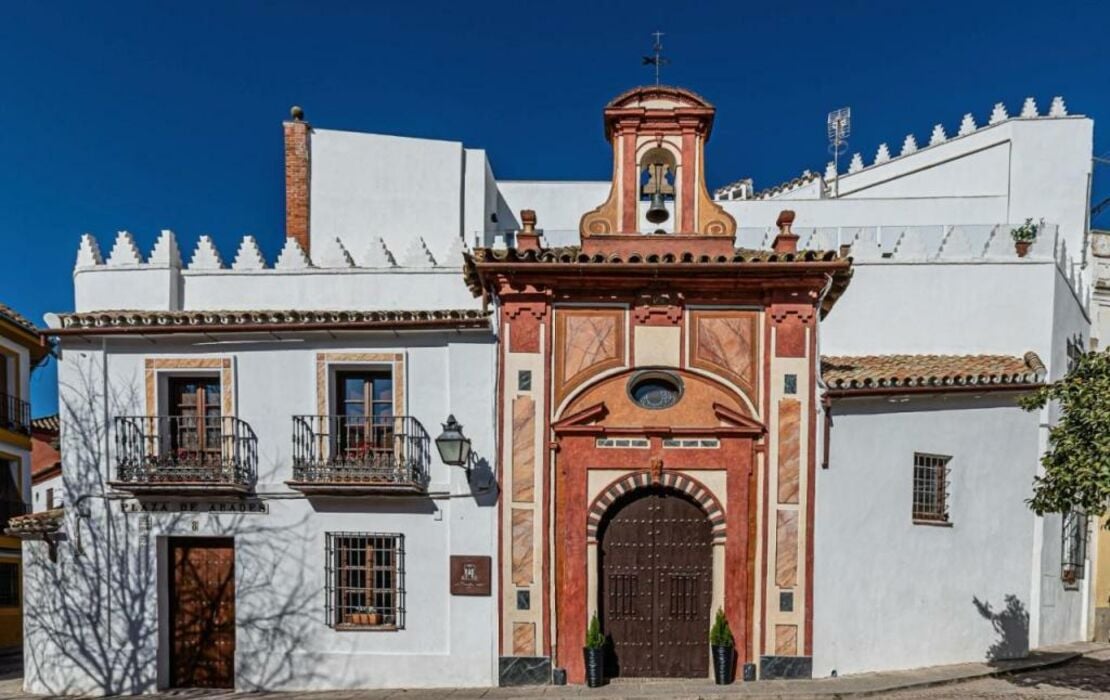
39, 492
369, 185
282, 639
944, 308
890, 594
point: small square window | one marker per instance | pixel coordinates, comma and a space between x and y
523, 600
930, 488
524, 380
790, 384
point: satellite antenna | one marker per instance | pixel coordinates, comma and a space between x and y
840, 126
657, 60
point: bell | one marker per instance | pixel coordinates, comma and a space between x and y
657, 213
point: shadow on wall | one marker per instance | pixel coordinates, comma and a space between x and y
92, 620
1011, 624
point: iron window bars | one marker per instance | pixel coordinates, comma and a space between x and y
1073, 547
365, 580
185, 449
930, 488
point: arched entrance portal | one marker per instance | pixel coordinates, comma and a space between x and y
655, 584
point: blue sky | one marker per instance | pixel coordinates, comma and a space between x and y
143, 116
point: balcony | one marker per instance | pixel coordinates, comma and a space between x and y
359, 455
185, 455
15, 414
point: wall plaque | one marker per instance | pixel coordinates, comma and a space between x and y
470, 575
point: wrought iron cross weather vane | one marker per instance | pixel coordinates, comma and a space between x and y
657, 60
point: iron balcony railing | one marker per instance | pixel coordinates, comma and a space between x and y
360, 450
15, 414
207, 450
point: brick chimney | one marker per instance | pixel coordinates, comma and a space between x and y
787, 240
298, 174
527, 238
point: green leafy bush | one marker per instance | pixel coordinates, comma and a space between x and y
720, 635
1077, 463
1027, 232
594, 638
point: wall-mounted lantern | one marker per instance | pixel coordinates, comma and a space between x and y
454, 447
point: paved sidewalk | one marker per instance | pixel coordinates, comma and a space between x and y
862, 685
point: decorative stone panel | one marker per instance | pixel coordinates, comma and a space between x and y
789, 457
726, 343
524, 448
522, 546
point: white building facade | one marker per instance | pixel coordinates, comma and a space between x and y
260, 435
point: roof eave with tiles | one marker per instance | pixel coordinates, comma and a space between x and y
185, 321
883, 372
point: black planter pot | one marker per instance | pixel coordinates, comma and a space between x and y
724, 664
595, 667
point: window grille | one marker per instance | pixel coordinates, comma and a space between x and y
623, 442
685, 443
1073, 547
365, 580
930, 488
9, 584
1074, 351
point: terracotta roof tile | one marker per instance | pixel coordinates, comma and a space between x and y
9, 314
182, 321
36, 523
573, 255
881, 371
678, 263
47, 424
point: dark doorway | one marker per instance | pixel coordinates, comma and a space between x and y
202, 613
655, 585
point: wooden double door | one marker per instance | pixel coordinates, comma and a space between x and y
655, 585
202, 613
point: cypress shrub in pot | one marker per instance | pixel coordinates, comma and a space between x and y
594, 654
724, 657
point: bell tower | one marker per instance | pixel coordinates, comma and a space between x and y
658, 201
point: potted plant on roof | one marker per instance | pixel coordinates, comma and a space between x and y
594, 654
720, 639
1024, 236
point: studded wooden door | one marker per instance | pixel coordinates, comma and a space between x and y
655, 584
202, 615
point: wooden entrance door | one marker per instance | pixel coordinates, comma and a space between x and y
655, 585
202, 615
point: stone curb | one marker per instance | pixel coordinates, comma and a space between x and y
1033, 665
865, 686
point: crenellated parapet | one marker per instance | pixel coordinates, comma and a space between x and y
331, 277
939, 135
910, 145
331, 253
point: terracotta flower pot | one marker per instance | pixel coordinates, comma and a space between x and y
374, 619
1022, 248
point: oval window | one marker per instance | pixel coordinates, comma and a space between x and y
655, 390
